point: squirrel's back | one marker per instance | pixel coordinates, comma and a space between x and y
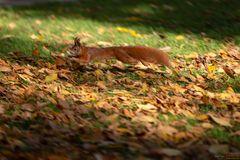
146, 54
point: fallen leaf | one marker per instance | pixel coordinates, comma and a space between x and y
35, 52
221, 120
193, 55
134, 19
211, 68
51, 77
101, 85
5, 69
2, 109
98, 73
12, 25
207, 125
143, 118
38, 22
104, 44
130, 31
101, 30
217, 149
37, 37
167, 151
119, 65
228, 71
146, 106
202, 117
180, 37
168, 7
237, 133
57, 157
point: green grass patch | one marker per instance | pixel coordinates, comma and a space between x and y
219, 134
158, 25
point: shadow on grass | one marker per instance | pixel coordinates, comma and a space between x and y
219, 19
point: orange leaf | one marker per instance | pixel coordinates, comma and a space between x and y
5, 69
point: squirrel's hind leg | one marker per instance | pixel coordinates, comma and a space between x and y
125, 58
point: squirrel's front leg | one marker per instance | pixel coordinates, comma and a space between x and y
80, 61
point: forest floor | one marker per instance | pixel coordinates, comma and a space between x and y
109, 110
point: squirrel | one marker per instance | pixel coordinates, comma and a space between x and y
126, 54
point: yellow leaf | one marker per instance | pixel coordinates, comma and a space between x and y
38, 22
230, 90
98, 73
211, 68
192, 55
123, 131
130, 31
12, 25
101, 30
51, 77
35, 37
207, 125
180, 37
145, 87
202, 117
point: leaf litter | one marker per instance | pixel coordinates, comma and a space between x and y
101, 113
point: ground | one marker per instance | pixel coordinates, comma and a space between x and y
109, 110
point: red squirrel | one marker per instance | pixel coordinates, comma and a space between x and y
127, 54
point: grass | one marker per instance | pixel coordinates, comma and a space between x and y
54, 25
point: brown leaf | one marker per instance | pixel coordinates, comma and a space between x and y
5, 69
101, 85
2, 109
228, 71
164, 130
57, 157
217, 149
35, 52
143, 118
62, 102
166, 151
237, 133
221, 120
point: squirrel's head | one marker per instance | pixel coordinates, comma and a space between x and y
76, 49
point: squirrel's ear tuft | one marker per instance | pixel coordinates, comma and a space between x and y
77, 41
